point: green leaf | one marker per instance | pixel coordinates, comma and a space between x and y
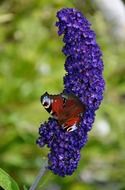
6, 182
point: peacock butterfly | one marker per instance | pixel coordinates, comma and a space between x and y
66, 108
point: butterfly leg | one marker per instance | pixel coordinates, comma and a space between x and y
65, 126
71, 124
69, 128
72, 128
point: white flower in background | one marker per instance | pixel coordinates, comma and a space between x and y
102, 127
43, 68
114, 12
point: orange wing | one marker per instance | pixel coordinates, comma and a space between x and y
67, 109
71, 112
57, 105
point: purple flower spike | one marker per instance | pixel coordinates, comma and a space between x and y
84, 79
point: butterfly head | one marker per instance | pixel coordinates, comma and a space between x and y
45, 100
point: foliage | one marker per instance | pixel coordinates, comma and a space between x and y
31, 63
7, 182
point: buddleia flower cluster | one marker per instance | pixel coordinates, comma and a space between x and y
83, 78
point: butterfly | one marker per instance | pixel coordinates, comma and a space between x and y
67, 109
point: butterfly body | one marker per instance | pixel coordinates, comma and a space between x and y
67, 109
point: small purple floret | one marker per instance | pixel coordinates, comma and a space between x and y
83, 78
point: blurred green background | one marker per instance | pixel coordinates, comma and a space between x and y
31, 63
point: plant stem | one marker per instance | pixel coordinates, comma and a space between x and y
39, 176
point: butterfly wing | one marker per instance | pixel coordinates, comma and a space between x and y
67, 109
57, 105
52, 103
71, 113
